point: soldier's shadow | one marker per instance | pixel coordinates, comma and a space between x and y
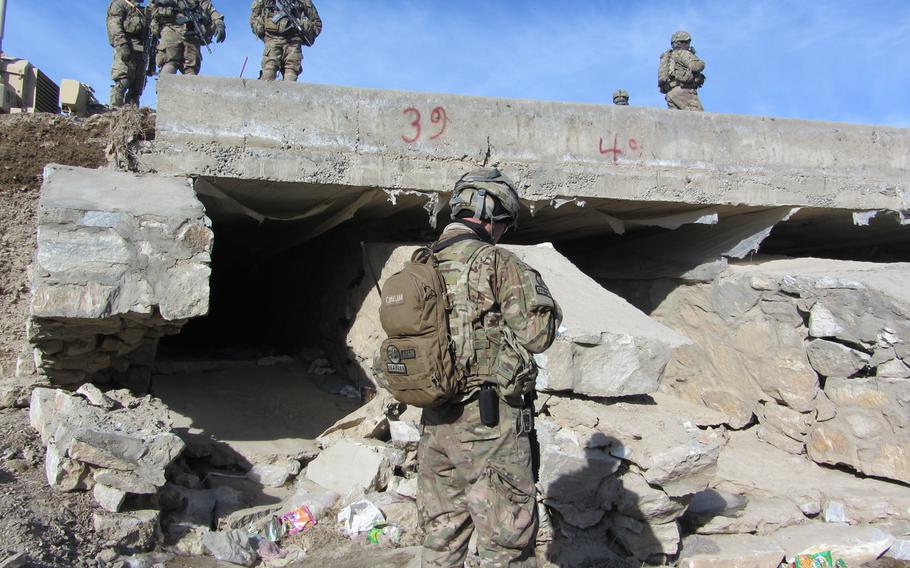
593, 520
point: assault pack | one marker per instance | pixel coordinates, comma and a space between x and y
417, 361
433, 350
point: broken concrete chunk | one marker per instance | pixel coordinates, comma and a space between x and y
274, 474
670, 450
893, 369
95, 397
644, 540
350, 469
108, 498
832, 359
136, 531
730, 551
404, 433
230, 546
855, 545
63, 473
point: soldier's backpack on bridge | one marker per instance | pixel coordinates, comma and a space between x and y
416, 364
665, 71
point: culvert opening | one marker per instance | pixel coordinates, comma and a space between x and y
270, 368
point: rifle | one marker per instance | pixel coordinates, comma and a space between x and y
148, 51
288, 8
193, 15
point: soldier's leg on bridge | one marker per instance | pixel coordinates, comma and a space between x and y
170, 52
192, 58
118, 92
137, 78
271, 58
293, 60
121, 82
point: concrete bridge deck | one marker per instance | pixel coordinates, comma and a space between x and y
232, 129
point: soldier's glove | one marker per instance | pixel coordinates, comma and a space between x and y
220, 34
124, 52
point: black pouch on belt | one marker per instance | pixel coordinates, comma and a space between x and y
489, 405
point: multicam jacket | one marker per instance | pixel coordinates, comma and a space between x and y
167, 16
266, 19
503, 312
126, 24
686, 69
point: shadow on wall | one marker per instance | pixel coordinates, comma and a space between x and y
595, 520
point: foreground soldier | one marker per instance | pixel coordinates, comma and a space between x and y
474, 472
127, 31
284, 26
182, 27
679, 75
621, 97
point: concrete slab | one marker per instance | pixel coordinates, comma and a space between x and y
228, 128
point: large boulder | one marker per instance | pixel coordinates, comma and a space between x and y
606, 347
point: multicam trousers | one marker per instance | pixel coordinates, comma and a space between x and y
681, 98
177, 53
282, 54
128, 78
476, 477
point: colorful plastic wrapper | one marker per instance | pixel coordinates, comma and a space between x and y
298, 520
817, 560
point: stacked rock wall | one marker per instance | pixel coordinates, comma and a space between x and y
122, 260
815, 351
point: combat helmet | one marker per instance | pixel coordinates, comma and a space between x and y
487, 194
620, 96
681, 36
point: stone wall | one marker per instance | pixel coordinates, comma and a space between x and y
122, 260
815, 351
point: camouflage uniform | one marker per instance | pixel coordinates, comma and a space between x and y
127, 30
179, 48
685, 79
282, 39
472, 475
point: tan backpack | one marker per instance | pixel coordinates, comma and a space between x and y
416, 364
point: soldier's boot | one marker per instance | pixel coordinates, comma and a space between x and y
289, 75
168, 69
269, 73
118, 93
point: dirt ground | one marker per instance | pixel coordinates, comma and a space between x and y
27, 144
54, 529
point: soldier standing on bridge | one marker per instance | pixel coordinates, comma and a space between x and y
679, 75
183, 27
284, 26
127, 32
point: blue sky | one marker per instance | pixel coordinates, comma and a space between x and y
817, 59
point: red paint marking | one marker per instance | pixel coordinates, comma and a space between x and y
615, 150
633, 144
415, 124
439, 115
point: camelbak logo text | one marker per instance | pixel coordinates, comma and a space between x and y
394, 299
397, 369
